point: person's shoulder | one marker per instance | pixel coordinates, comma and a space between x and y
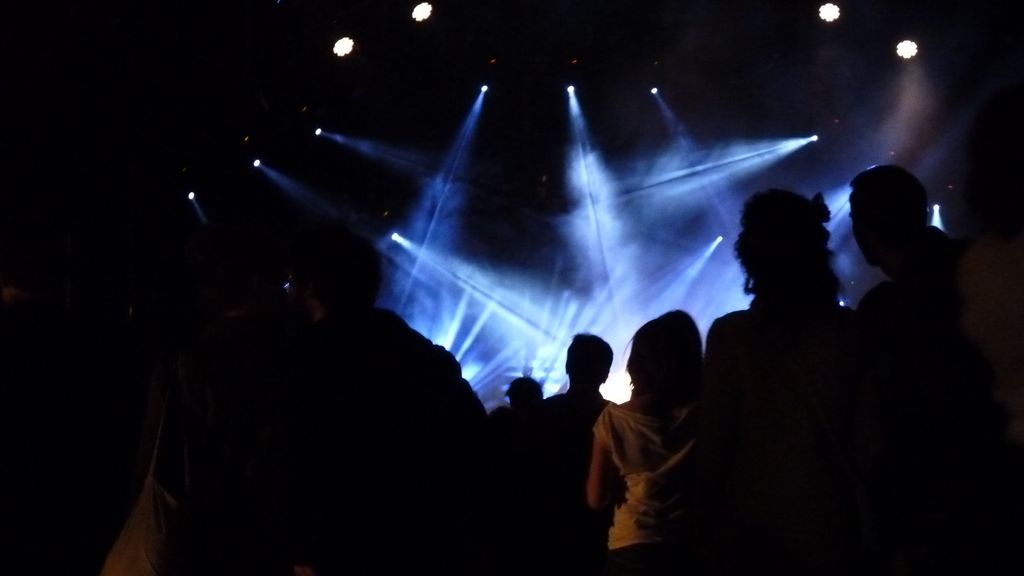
734, 318
557, 402
388, 321
387, 326
729, 324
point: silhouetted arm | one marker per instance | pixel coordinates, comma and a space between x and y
601, 476
716, 440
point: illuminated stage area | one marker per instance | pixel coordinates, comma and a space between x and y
632, 240
529, 171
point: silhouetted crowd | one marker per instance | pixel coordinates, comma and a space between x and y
309, 432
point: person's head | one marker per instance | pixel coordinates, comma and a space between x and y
524, 392
235, 269
889, 208
665, 358
993, 186
587, 362
334, 269
783, 248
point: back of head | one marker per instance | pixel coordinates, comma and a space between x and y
890, 202
587, 362
993, 170
524, 392
342, 268
783, 248
666, 358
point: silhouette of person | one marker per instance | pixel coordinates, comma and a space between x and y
782, 439
992, 269
51, 416
383, 429
647, 445
212, 417
578, 534
990, 277
524, 394
519, 481
938, 421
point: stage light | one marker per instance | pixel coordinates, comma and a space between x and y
344, 46
422, 11
719, 239
654, 90
814, 138
483, 88
396, 237
318, 131
617, 388
256, 163
936, 219
906, 49
828, 12
571, 89
191, 195
842, 302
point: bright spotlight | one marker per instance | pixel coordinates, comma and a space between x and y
936, 219
483, 88
654, 90
401, 240
344, 46
814, 138
842, 302
256, 163
719, 239
422, 11
191, 195
617, 388
828, 12
906, 49
318, 131
571, 89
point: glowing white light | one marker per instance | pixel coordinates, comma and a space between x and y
906, 49
483, 88
719, 239
396, 237
654, 90
570, 89
842, 302
256, 163
936, 219
344, 46
814, 138
191, 195
422, 11
318, 131
828, 12
618, 388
